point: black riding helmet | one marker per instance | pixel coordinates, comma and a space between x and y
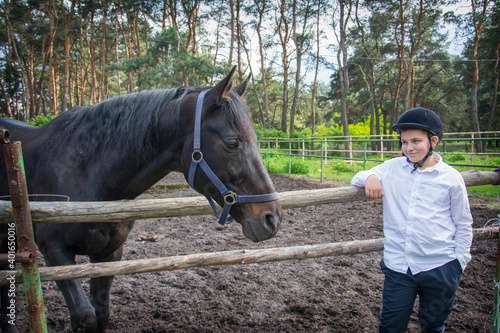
424, 119
421, 118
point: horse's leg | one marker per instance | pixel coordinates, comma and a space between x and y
83, 318
100, 290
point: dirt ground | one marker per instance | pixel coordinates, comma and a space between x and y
335, 294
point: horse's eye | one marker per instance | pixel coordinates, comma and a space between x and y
232, 144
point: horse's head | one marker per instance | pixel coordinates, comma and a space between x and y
228, 146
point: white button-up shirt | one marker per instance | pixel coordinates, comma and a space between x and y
427, 219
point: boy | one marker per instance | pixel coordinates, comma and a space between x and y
427, 225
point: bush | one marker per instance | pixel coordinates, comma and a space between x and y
322, 130
299, 167
269, 133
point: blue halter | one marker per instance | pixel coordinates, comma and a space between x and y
229, 196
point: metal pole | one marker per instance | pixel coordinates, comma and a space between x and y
268, 153
326, 151
364, 156
24, 232
303, 149
472, 151
321, 163
496, 309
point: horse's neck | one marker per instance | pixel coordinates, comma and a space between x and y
144, 173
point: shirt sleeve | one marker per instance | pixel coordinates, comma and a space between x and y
360, 178
462, 217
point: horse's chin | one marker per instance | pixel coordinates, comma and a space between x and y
248, 232
265, 227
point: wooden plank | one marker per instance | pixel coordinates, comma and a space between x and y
237, 257
126, 210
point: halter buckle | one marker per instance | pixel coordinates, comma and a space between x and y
230, 197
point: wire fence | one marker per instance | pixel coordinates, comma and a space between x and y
457, 149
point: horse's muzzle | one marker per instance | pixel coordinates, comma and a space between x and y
262, 221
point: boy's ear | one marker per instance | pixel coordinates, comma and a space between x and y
434, 141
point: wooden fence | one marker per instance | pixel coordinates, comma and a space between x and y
57, 212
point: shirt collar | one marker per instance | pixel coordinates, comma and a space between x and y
438, 166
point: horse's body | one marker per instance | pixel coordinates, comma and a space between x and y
119, 148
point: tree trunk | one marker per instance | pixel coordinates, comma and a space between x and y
8, 58
316, 69
477, 20
257, 98
401, 64
239, 36
103, 84
495, 88
344, 74
284, 34
231, 25
52, 61
118, 79
261, 11
68, 17
375, 118
300, 42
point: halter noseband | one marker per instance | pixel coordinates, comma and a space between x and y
229, 196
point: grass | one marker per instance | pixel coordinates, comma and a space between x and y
488, 193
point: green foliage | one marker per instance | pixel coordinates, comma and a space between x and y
359, 129
305, 133
167, 63
363, 128
341, 166
281, 164
322, 130
299, 167
268, 133
455, 158
276, 165
41, 120
494, 161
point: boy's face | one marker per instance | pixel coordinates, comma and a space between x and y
415, 143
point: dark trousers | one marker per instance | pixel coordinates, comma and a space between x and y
436, 290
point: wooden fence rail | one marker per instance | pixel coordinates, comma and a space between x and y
126, 210
116, 211
236, 257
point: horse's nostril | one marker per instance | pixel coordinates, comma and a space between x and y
271, 223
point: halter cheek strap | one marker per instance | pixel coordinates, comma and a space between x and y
230, 197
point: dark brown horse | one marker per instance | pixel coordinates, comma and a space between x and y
119, 148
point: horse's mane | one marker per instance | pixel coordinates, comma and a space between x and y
238, 115
130, 121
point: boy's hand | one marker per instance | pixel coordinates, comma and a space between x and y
373, 188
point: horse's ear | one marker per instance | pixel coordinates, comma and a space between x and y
220, 92
240, 88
